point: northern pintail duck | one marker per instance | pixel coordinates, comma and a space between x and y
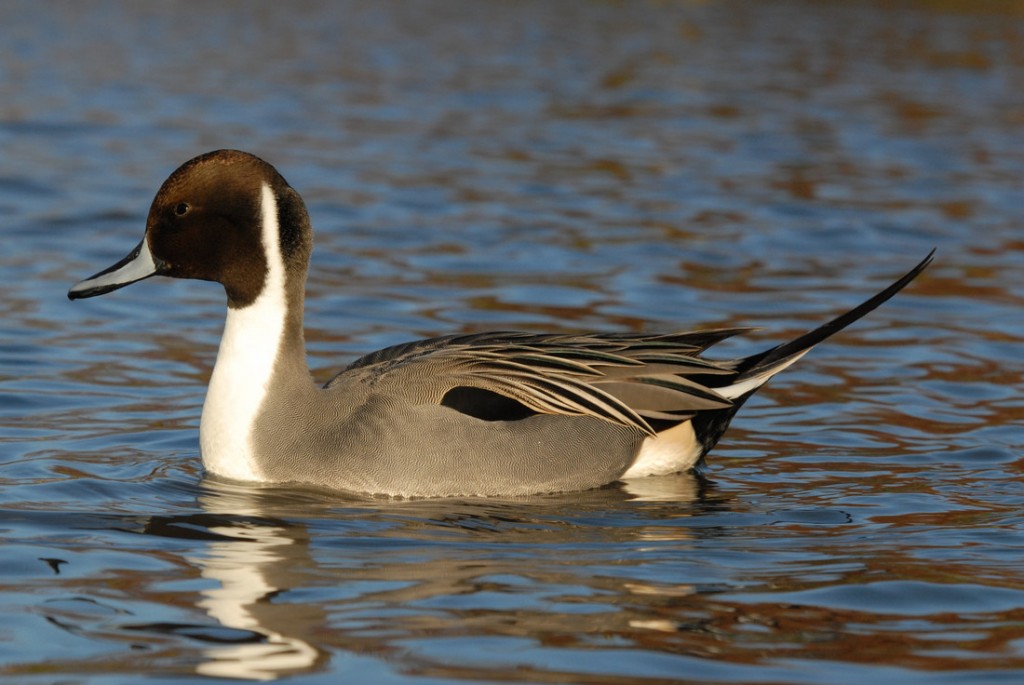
503, 413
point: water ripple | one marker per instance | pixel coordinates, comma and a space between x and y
595, 166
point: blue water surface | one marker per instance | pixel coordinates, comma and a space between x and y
542, 166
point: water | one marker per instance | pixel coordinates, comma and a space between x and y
570, 166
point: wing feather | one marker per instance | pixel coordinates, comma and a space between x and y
623, 378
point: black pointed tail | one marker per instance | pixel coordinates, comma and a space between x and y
759, 363
756, 370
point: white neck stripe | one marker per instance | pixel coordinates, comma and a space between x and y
271, 239
245, 363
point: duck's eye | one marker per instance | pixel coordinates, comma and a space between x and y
181, 209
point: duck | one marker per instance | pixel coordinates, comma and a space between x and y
497, 413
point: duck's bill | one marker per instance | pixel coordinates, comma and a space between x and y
139, 264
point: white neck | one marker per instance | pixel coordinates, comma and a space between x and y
245, 365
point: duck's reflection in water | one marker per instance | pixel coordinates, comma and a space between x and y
251, 559
257, 553
250, 566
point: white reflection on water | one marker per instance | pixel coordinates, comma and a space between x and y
243, 564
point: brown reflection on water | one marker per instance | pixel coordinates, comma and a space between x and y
766, 633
